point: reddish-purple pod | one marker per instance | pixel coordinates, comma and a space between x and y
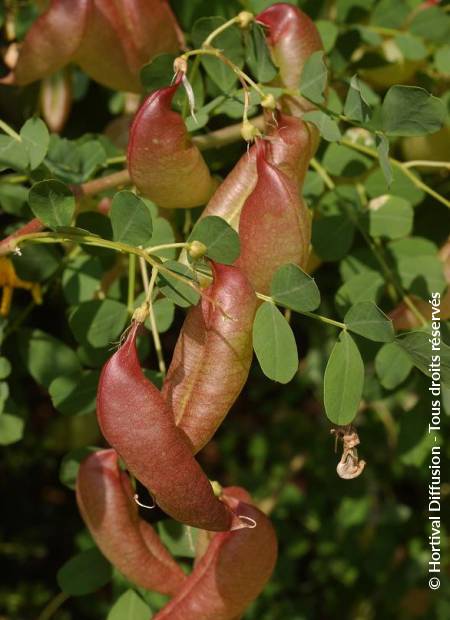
120, 37
163, 162
274, 227
105, 500
110, 40
52, 40
138, 423
212, 358
292, 37
55, 99
231, 573
289, 148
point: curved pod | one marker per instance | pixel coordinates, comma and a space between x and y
274, 227
110, 40
289, 147
164, 164
137, 422
105, 501
230, 574
292, 37
212, 358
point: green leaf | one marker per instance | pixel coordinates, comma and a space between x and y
92, 156
365, 286
328, 33
81, 279
228, 41
328, 128
86, 572
221, 240
178, 538
342, 161
98, 323
412, 247
313, 185
419, 346
131, 219
332, 236
258, 55
179, 292
52, 202
13, 199
11, 429
314, 78
343, 381
74, 161
70, 465
382, 142
12, 154
129, 606
163, 234
411, 46
366, 319
45, 357
432, 24
157, 73
389, 14
356, 106
274, 344
402, 186
442, 59
392, 365
35, 138
37, 263
164, 310
393, 219
411, 111
421, 275
4, 394
5, 367
75, 395
293, 288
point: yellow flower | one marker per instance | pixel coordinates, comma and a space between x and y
9, 281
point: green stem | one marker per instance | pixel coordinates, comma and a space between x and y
14, 179
218, 54
50, 237
165, 246
322, 173
131, 282
426, 163
53, 606
212, 35
120, 159
390, 276
398, 164
155, 333
311, 315
10, 131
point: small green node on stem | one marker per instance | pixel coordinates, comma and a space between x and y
249, 132
140, 314
180, 65
197, 249
269, 102
244, 19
